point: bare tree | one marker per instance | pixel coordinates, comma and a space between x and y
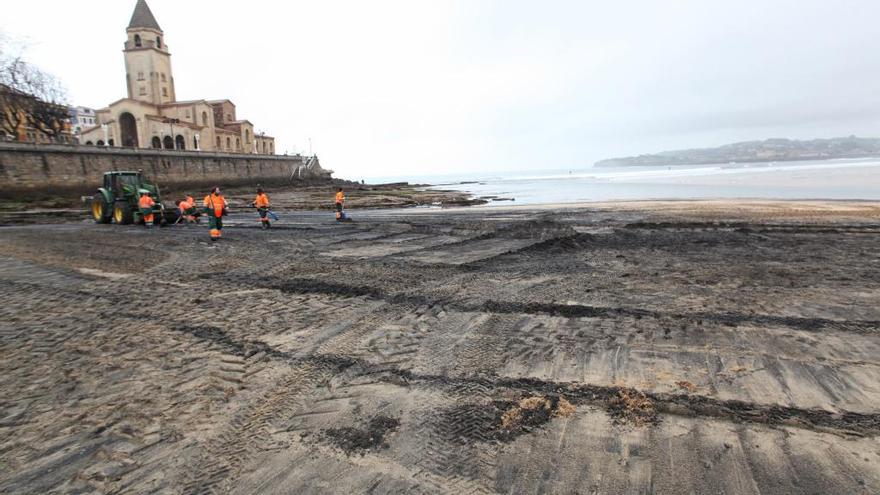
29, 97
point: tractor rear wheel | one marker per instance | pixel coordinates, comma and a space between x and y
171, 216
101, 211
122, 214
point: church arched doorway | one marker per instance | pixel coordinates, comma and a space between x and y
157, 143
128, 126
168, 142
181, 143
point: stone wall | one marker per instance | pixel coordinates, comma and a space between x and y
60, 168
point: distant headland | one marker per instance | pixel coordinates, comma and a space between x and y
769, 150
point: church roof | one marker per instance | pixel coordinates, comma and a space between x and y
182, 103
143, 17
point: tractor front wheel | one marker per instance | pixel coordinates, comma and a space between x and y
101, 211
122, 214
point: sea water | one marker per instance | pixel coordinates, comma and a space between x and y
856, 179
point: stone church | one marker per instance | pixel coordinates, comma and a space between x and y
151, 116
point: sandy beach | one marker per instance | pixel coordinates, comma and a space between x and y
633, 347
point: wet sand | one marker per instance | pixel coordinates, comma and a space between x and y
641, 347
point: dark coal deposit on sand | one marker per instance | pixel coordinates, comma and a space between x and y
643, 348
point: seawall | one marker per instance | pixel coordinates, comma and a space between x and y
60, 169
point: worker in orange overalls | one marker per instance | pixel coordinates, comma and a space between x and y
261, 203
215, 208
340, 204
187, 210
196, 214
146, 205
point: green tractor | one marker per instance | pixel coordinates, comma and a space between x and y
117, 200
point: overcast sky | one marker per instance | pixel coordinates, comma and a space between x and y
427, 87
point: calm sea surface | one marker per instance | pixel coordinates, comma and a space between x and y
832, 179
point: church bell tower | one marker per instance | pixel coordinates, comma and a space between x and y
147, 59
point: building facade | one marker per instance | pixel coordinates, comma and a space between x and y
81, 118
151, 117
26, 118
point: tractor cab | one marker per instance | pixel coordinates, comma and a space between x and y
113, 181
127, 183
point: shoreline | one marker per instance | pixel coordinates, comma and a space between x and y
864, 208
821, 180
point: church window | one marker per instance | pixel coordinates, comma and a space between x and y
264, 147
228, 117
238, 143
205, 119
137, 41
158, 42
218, 143
271, 148
164, 91
143, 91
228, 143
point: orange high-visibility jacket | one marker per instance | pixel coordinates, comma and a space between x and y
215, 202
146, 202
340, 197
262, 201
185, 205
